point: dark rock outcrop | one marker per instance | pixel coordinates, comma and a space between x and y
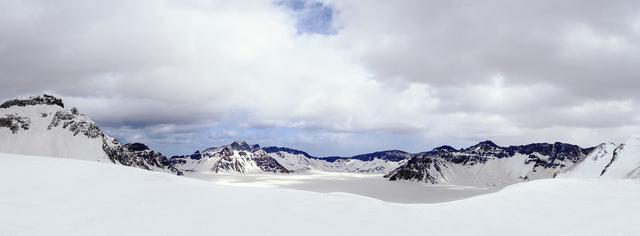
14, 122
38, 100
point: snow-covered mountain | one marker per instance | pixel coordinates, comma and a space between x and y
242, 158
237, 157
42, 126
487, 164
610, 161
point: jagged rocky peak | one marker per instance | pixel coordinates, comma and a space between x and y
486, 145
445, 148
488, 148
45, 99
243, 146
237, 146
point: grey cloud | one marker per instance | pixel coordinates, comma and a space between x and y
590, 48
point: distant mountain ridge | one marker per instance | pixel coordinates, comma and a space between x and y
253, 158
483, 164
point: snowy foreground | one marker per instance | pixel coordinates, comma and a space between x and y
48, 196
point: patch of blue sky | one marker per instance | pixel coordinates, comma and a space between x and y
312, 17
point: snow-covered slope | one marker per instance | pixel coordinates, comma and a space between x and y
592, 165
487, 164
610, 161
625, 162
48, 196
42, 126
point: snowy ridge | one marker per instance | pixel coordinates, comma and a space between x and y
487, 164
610, 161
626, 161
594, 164
42, 126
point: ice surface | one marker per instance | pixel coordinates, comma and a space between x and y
369, 185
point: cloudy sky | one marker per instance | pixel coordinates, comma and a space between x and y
332, 77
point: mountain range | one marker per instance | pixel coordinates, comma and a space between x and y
42, 126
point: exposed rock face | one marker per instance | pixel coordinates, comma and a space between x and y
144, 159
75, 123
14, 122
412, 170
152, 158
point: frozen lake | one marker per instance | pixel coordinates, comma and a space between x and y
373, 186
